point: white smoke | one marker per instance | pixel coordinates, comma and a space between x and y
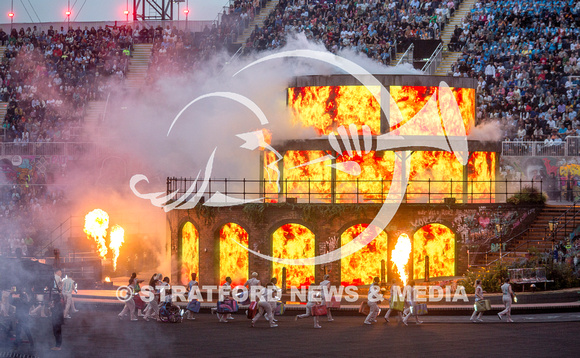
487, 131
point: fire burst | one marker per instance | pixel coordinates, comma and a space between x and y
117, 239
96, 225
400, 256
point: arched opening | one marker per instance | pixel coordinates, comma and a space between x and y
361, 267
293, 241
438, 242
233, 257
189, 252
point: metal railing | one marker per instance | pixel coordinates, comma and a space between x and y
71, 149
434, 61
569, 147
407, 56
349, 191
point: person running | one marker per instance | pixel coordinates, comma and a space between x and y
266, 305
191, 296
476, 316
314, 298
507, 296
129, 302
395, 292
372, 299
227, 287
412, 300
252, 282
323, 284
68, 286
152, 309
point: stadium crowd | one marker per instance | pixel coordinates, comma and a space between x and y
372, 27
47, 77
524, 55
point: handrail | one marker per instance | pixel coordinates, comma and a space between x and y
406, 54
72, 149
69, 229
565, 215
434, 61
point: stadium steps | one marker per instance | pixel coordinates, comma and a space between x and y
138, 66
449, 58
538, 236
2, 50
94, 114
258, 20
3, 110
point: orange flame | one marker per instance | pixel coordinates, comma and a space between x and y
438, 242
361, 267
117, 240
412, 99
400, 256
189, 252
440, 168
481, 175
374, 179
295, 179
233, 258
293, 241
107, 279
327, 107
96, 225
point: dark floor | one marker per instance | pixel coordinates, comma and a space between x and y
101, 334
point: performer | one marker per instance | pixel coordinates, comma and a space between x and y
395, 291
192, 294
314, 298
68, 286
323, 284
478, 297
266, 305
252, 282
227, 287
373, 297
508, 295
412, 300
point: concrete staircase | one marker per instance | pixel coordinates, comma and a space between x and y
3, 105
258, 20
538, 236
450, 58
138, 66
95, 113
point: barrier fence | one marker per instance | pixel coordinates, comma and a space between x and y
569, 147
70, 149
231, 191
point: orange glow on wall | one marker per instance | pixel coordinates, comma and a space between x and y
481, 175
438, 242
373, 181
293, 241
412, 99
270, 177
327, 107
361, 267
189, 252
233, 258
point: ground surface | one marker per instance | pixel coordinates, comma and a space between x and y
101, 334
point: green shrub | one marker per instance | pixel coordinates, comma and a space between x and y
528, 195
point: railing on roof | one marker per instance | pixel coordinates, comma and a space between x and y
407, 56
434, 61
348, 191
569, 147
